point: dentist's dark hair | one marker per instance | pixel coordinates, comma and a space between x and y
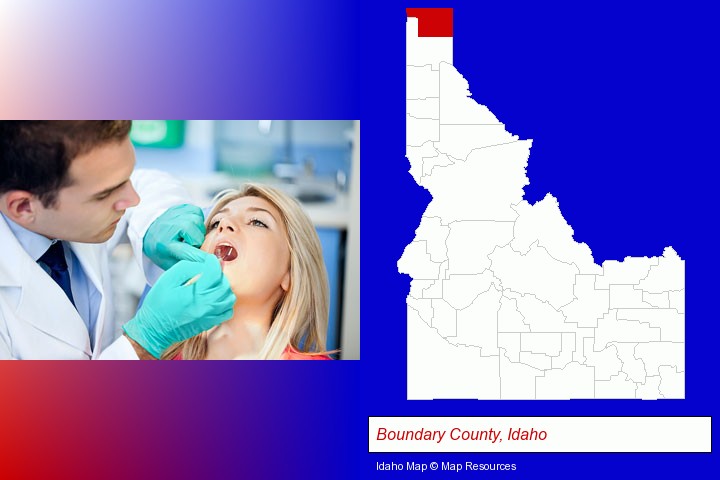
35, 155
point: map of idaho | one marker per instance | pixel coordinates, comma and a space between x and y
503, 303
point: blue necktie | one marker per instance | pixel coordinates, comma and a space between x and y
54, 258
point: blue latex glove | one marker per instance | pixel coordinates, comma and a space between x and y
175, 235
173, 312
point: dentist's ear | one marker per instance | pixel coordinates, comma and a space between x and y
19, 206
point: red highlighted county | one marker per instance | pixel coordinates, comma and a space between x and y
433, 22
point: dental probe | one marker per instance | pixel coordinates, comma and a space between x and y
192, 280
197, 277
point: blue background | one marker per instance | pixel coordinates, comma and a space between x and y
620, 101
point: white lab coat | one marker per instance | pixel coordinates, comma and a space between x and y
37, 320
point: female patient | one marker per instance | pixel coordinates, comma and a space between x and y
271, 255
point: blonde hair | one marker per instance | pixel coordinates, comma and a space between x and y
301, 315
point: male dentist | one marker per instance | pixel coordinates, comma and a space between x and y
68, 196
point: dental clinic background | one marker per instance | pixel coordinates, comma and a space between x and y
620, 101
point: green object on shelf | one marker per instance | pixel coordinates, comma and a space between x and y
158, 133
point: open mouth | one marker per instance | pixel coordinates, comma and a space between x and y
225, 252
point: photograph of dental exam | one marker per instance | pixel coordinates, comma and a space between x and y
271, 255
170, 239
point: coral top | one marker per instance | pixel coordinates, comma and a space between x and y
289, 354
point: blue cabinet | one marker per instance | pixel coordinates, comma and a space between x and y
332, 243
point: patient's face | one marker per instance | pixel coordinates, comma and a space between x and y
250, 238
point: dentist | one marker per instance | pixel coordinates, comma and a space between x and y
68, 196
